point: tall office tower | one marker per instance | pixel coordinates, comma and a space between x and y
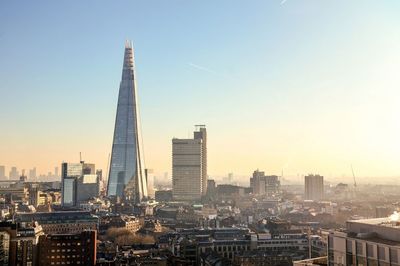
201, 133
70, 172
34, 193
127, 176
56, 171
314, 187
2, 172
32, 173
262, 184
14, 174
189, 166
79, 183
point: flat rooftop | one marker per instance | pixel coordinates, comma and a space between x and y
377, 229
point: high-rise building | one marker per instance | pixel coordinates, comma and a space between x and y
70, 172
262, 184
34, 193
189, 166
314, 187
79, 183
32, 174
14, 174
2, 172
150, 183
56, 171
201, 133
127, 176
211, 188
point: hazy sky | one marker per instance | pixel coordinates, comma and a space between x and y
304, 86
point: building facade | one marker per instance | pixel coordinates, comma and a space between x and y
63, 222
238, 245
314, 187
70, 172
189, 166
18, 243
2, 172
127, 176
366, 242
14, 174
265, 185
79, 183
67, 249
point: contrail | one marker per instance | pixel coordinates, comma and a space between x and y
202, 68
283, 1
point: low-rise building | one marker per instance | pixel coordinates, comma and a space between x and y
366, 242
63, 222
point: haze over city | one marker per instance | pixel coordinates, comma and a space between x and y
200, 133
294, 86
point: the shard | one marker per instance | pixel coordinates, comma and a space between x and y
127, 174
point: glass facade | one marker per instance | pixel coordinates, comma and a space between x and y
70, 173
69, 192
127, 165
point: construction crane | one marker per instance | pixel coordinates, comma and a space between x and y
354, 178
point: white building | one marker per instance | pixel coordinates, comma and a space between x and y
366, 242
189, 166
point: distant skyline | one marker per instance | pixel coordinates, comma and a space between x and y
299, 86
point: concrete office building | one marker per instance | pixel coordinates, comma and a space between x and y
2, 172
14, 174
79, 183
265, 185
70, 172
56, 171
314, 187
366, 242
87, 187
32, 174
189, 166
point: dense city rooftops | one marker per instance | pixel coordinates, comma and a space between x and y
57, 217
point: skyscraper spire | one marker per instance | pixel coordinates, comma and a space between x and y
127, 175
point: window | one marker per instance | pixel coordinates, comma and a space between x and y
381, 253
393, 255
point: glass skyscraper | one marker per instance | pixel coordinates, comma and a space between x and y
127, 176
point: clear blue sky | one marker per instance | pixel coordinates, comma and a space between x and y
304, 86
